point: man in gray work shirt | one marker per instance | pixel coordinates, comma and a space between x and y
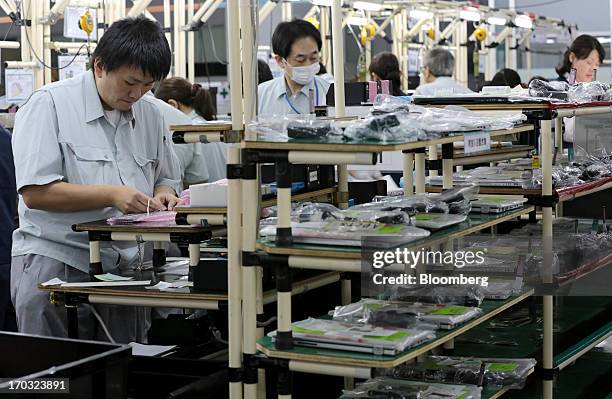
89, 148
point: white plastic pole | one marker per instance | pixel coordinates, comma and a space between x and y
190, 46
249, 285
234, 274
182, 49
287, 12
249, 76
338, 54
138, 7
408, 174
266, 10
432, 153
547, 237
46, 36
167, 19
419, 169
211, 10
9, 44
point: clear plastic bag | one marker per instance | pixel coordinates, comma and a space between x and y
554, 90
486, 372
310, 128
350, 233
393, 126
364, 335
384, 313
389, 388
411, 205
587, 92
386, 104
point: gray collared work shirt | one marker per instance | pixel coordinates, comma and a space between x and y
62, 134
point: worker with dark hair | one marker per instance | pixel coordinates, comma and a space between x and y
297, 46
385, 66
196, 102
506, 77
90, 148
584, 56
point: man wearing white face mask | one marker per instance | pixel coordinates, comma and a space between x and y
297, 45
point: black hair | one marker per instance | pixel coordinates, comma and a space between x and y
582, 46
322, 69
135, 42
386, 66
191, 95
506, 77
263, 71
286, 33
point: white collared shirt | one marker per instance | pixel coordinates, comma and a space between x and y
274, 97
62, 134
442, 86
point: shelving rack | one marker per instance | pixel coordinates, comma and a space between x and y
283, 254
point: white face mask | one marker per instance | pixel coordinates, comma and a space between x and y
305, 74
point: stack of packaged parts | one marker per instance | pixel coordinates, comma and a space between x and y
389, 388
584, 92
576, 173
454, 201
357, 337
349, 233
403, 314
485, 372
396, 218
387, 123
497, 203
487, 176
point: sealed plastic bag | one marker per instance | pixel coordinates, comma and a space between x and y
356, 337
386, 104
486, 372
586, 92
389, 388
465, 295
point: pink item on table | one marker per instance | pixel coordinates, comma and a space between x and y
185, 197
372, 91
385, 86
157, 218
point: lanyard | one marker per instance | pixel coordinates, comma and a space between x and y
316, 99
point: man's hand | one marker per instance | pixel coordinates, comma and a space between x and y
130, 200
166, 196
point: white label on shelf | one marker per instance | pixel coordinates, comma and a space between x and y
476, 142
313, 176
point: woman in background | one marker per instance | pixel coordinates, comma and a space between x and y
584, 56
385, 66
580, 63
196, 102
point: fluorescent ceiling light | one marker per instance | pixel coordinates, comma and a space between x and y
421, 14
550, 41
367, 6
359, 21
322, 3
500, 21
470, 15
604, 40
523, 21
